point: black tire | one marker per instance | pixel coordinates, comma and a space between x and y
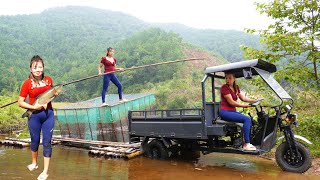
285, 162
157, 150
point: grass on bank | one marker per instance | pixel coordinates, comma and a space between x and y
309, 127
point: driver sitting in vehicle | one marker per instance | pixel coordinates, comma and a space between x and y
229, 96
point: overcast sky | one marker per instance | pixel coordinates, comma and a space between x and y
213, 14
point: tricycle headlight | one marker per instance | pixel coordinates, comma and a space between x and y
292, 119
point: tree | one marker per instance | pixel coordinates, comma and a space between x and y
292, 39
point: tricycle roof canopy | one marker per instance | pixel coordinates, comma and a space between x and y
238, 67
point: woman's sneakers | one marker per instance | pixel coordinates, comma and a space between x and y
104, 104
43, 176
32, 167
249, 147
123, 100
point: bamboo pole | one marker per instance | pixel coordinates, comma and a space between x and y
134, 68
125, 69
8, 104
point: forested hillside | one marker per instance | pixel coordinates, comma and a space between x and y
225, 43
67, 38
73, 39
175, 85
73, 50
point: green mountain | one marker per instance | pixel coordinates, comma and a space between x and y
72, 40
225, 43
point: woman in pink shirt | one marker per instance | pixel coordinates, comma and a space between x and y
230, 92
109, 62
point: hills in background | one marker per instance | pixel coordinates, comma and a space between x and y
72, 40
225, 43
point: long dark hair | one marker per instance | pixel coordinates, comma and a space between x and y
235, 86
109, 49
36, 59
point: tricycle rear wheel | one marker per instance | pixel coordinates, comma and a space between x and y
157, 150
292, 163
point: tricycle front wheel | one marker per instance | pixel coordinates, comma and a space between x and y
291, 162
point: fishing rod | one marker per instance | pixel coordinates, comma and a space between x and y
8, 104
133, 68
125, 69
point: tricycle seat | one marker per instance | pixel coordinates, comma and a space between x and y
220, 121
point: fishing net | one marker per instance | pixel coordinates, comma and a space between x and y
88, 120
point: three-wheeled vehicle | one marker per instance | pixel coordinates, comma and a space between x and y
165, 133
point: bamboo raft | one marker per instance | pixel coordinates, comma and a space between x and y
21, 143
16, 142
115, 152
96, 143
105, 149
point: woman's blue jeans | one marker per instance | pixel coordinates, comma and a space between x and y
42, 120
235, 116
106, 80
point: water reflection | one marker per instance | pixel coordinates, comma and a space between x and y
73, 163
246, 163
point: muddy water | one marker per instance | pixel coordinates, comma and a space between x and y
72, 163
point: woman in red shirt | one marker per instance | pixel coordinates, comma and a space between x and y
109, 62
42, 119
229, 96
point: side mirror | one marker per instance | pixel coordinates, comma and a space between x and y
247, 74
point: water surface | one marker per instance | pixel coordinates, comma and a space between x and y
72, 163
